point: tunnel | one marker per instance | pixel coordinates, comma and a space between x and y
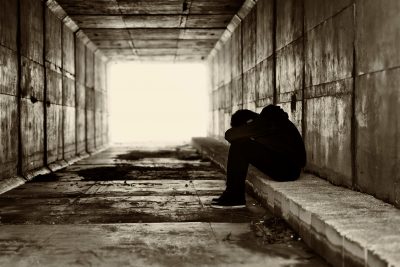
71, 196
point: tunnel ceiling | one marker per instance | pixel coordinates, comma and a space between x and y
170, 30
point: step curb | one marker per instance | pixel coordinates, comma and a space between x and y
345, 227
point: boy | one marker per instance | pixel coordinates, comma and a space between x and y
270, 142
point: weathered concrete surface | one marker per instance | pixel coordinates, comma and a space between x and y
86, 214
377, 36
347, 228
317, 11
31, 19
249, 41
68, 43
54, 133
329, 49
69, 116
328, 99
264, 82
377, 150
289, 22
8, 131
32, 135
53, 41
8, 90
8, 71
80, 94
8, 24
328, 137
264, 29
237, 66
37, 88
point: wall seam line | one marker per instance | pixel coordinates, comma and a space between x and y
353, 108
45, 145
274, 25
19, 89
62, 91
303, 102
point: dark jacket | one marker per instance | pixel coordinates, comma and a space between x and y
275, 131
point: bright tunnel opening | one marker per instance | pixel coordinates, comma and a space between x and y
157, 102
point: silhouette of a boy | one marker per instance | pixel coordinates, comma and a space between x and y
270, 142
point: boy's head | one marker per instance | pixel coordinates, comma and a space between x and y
242, 116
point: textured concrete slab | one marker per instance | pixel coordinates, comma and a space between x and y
53, 38
8, 131
68, 43
377, 36
377, 172
8, 24
95, 214
264, 82
329, 49
249, 41
32, 30
32, 137
328, 137
237, 66
54, 133
345, 227
289, 22
8, 71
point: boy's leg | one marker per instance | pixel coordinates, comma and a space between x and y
244, 152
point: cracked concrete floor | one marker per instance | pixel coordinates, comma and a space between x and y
132, 206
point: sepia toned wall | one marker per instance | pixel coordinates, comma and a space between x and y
333, 66
47, 89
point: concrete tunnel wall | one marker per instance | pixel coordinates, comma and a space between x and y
333, 66
52, 90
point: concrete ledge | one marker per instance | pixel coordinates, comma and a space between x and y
57, 165
13, 182
39, 171
345, 227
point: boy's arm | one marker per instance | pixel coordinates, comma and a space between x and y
255, 128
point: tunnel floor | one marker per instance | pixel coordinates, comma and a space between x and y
138, 206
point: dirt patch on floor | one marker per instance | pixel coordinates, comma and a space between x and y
105, 173
181, 154
51, 177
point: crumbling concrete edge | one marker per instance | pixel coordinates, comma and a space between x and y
15, 181
331, 238
11, 183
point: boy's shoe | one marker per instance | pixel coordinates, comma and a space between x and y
229, 203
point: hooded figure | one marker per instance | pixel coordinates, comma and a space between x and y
270, 142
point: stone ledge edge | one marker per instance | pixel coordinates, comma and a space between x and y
15, 181
334, 246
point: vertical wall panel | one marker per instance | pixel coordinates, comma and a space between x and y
377, 99
264, 29
264, 82
32, 30
8, 24
249, 41
54, 116
32, 85
80, 94
53, 64
329, 85
237, 67
53, 28
289, 21
89, 98
69, 115
8, 89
